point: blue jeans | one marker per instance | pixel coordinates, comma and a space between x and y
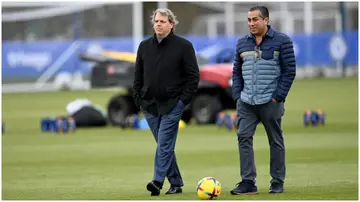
165, 129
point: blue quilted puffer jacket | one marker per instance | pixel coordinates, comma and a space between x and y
263, 72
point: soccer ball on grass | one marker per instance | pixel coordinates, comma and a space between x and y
208, 188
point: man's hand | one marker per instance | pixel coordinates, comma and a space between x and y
274, 100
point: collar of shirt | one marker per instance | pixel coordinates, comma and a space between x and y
164, 40
269, 33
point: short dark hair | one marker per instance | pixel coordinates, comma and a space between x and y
264, 12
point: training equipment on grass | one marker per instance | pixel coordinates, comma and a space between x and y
60, 125
226, 119
132, 121
135, 122
208, 188
182, 124
314, 118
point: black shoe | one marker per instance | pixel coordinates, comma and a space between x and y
244, 187
154, 187
276, 187
174, 190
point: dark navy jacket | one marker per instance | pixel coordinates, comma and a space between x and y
263, 72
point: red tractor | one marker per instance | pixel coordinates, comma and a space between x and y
117, 69
214, 93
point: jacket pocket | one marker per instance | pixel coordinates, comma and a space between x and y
173, 91
267, 54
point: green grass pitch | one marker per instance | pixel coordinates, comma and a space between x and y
116, 164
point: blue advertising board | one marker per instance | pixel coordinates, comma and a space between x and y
43, 59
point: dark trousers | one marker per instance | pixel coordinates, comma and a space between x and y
248, 117
165, 130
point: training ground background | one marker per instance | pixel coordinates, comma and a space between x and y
111, 163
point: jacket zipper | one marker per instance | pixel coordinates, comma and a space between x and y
255, 67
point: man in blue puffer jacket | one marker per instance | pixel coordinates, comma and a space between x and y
264, 70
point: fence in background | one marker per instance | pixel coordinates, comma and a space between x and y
31, 21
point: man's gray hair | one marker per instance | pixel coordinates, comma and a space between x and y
164, 12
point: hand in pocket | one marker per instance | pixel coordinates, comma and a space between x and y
180, 102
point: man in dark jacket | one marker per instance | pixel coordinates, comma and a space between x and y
264, 70
166, 79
